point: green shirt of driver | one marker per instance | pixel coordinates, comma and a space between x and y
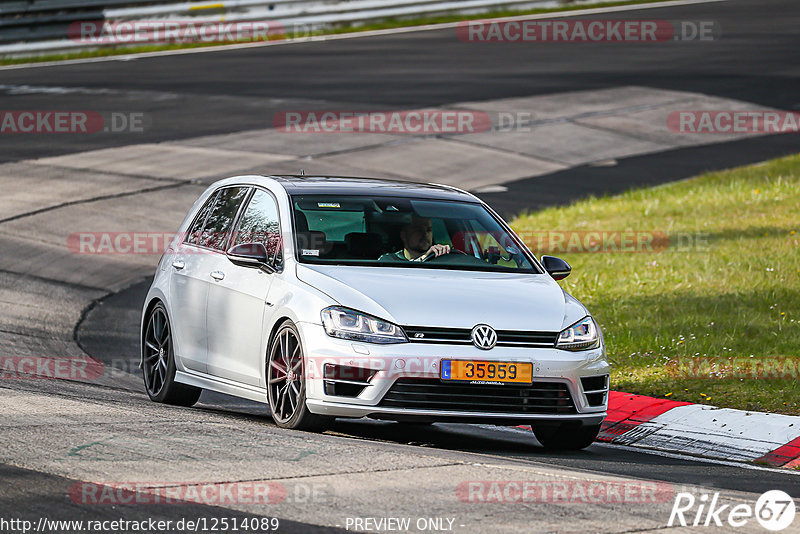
401, 255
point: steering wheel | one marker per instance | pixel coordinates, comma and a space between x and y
431, 257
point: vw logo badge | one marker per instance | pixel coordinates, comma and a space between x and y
484, 337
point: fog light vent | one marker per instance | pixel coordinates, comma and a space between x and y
346, 381
595, 389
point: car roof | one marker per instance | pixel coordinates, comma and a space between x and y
342, 185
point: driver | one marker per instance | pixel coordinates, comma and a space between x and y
417, 237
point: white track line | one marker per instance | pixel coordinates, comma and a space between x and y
654, 452
676, 456
356, 35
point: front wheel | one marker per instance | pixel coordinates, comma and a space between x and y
565, 437
158, 363
286, 384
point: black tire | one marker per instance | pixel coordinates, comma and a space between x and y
565, 437
158, 359
287, 389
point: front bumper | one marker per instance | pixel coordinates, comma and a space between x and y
416, 360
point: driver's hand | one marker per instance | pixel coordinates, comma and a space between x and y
438, 250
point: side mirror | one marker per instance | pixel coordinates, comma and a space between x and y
249, 255
556, 267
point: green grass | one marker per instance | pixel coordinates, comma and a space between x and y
382, 25
734, 297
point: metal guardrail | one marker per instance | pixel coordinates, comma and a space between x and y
30, 6
30, 27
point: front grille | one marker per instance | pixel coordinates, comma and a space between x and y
462, 336
432, 394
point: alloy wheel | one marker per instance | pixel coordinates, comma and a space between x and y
157, 351
285, 375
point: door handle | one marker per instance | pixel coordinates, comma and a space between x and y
179, 264
217, 275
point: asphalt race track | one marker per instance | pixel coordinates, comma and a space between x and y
56, 434
115, 314
229, 91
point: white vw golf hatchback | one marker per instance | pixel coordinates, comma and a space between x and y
334, 297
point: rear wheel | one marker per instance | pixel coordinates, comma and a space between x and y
158, 359
565, 437
286, 384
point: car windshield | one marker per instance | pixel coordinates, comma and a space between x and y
401, 232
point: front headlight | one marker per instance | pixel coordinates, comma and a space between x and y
583, 335
349, 324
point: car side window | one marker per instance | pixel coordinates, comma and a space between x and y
196, 229
260, 224
220, 219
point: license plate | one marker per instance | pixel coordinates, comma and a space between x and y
487, 372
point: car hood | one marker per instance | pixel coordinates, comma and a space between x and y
448, 298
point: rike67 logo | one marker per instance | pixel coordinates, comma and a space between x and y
774, 510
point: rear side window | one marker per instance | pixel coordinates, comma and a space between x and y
196, 230
219, 222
